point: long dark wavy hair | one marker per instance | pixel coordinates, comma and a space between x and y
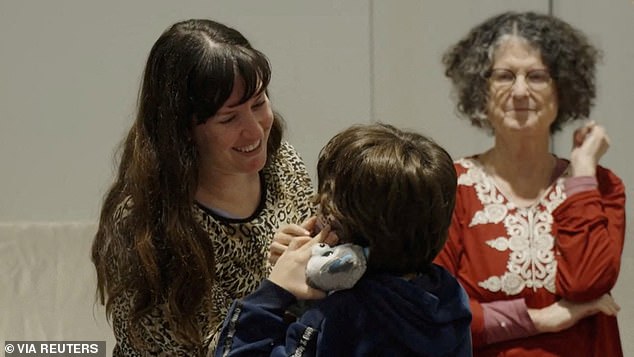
148, 242
570, 57
390, 190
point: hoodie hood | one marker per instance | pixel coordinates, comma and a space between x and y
429, 314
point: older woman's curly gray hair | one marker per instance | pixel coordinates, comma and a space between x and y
567, 53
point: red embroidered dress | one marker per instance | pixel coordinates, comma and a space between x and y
559, 247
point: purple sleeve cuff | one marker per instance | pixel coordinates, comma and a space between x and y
578, 184
507, 320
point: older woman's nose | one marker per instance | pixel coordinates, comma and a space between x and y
519, 88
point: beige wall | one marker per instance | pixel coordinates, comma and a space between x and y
69, 73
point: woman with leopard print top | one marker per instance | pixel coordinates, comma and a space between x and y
204, 181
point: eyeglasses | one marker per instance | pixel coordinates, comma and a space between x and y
536, 80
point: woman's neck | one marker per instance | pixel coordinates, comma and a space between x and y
237, 195
523, 170
519, 162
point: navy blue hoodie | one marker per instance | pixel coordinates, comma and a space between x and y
382, 315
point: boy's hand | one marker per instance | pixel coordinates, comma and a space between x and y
289, 271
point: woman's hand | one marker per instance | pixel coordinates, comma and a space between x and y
589, 143
285, 235
564, 314
290, 270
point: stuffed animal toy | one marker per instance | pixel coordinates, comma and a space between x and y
336, 268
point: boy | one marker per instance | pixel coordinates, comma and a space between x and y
389, 191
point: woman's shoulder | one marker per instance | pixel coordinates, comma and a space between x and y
604, 173
287, 167
609, 181
605, 176
288, 183
466, 163
286, 154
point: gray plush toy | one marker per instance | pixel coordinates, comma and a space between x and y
336, 268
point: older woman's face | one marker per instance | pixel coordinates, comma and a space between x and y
522, 96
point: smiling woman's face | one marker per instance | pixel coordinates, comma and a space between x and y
234, 140
520, 104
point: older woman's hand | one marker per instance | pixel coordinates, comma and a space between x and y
589, 143
564, 314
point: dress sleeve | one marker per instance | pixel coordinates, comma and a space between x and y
589, 227
507, 320
498, 321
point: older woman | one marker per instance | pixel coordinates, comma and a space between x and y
536, 240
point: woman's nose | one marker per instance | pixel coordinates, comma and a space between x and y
252, 123
519, 88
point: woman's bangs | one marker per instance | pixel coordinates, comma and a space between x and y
212, 83
255, 70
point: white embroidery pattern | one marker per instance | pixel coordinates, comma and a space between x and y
530, 243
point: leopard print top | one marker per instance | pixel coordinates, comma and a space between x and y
241, 249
